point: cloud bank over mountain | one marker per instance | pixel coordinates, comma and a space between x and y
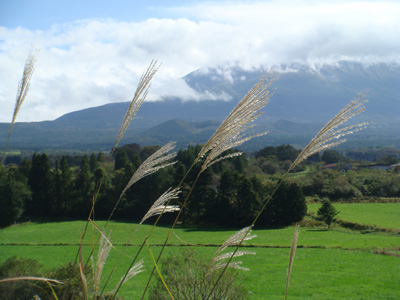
90, 62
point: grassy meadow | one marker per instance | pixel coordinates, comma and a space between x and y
335, 264
384, 215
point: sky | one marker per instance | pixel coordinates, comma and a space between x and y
94, 52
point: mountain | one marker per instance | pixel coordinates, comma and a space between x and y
304, 99
304, 92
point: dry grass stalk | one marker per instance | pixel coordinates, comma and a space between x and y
240, 236
23, 88
291, 258
218, 261
138, 99
24, 278
320, 142
82, 273
24, 83
136, 269
323, 140
152, 164
104, 250
229, 134
231, 131
159, 206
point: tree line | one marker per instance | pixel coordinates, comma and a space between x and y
224, 195
228, 193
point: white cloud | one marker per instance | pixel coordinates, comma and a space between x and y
93, 62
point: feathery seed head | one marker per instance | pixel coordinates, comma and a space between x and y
25, 82
231, 131
291, 258
152, 164
218, 261
159, 206
323, 140
104, 249
136, 269
138, 99
243, 234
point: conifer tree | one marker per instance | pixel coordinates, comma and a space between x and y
41, 184
93, 163
327, 213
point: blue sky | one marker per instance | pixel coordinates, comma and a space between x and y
94, 52
41, 14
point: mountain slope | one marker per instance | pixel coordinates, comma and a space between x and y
304, 99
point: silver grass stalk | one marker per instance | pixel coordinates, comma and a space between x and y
25, 82
230, 133
229, 254
136, 269
320, 142
218, 261
104, 249
24, 278
82, 273
152, 164
233, 265
238, 237
291, 258
159, 206
23, 88
138, 99
329, 136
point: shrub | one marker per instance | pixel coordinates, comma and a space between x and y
187, 278
20, 290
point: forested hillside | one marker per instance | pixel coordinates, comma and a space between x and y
229, 192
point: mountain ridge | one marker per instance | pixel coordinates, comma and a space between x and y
304, 99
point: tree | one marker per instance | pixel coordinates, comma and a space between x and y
13, 196
287, 206
147, 151
330, 156
121, 160
327, 213
64, 186
93, 163
25, 167
267, 151
41, 183
314, 158
100, 157
388, 160
286, 152
84, 187
247, 200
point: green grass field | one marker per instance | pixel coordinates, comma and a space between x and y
384, 215
68, 233
317, 273
336, 264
